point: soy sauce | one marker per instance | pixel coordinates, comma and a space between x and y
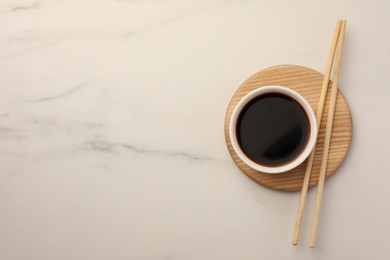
273, 129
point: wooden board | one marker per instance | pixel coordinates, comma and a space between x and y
308, 83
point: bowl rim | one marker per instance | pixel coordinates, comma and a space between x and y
306, 107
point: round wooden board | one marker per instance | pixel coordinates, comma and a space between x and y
308, 83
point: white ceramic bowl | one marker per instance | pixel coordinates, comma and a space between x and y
312, 123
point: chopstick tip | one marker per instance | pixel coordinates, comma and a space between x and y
341, 21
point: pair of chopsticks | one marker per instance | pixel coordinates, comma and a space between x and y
337, 45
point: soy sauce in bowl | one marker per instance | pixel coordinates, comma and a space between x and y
272, 129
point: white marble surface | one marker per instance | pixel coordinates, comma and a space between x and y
111, 129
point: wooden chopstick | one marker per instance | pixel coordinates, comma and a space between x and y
320, 109
328, 134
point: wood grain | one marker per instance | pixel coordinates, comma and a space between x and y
306, 82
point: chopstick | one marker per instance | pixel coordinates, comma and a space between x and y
328, 134
320, 109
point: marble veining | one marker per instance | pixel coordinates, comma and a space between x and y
99, 144
62, 95
32, 49
21, 8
